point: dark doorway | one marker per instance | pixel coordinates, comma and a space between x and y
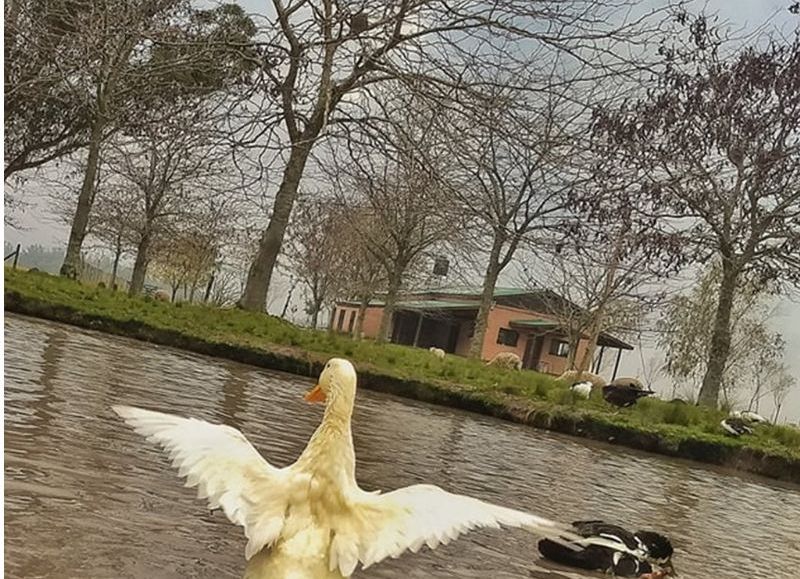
533, 352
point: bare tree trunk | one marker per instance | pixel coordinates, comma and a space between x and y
209, 286
289, 297
316, 306
254, 297
192, 292
598, 318
721, 338
777, 413
115, 266
574, 341
80, 221
175, 288
362, 310
487, 298
591, 346
755, 398
392, 291
140, 265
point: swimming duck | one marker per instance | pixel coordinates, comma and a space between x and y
612, 549
311, 520
624, 395
736, 426
582, 389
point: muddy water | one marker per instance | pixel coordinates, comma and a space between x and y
87, 498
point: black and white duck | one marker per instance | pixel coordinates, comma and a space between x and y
740, 422
735, 426
612, 549
624, 394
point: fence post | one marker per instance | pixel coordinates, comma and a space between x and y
16, 257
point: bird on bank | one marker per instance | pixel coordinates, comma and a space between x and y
582, 389
740, 422
612, 549
311, 520
749, 416
624, 395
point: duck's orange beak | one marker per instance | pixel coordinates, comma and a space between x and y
315, 394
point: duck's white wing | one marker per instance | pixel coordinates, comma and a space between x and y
225, 467
381, 526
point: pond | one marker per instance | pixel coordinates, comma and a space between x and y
87, 497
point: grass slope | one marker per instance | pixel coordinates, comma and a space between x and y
530, 397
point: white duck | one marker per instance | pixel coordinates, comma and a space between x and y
311, 520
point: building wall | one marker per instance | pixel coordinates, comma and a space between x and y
501, 316
372, 322
372, 319
462, 345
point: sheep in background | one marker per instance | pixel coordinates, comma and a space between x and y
437, 352
507, 360
632, 383
161, 296
573, 376
582, 389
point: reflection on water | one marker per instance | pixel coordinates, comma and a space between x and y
86, 497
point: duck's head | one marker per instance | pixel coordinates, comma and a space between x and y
659, 549
336, 382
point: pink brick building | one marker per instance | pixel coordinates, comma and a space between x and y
518, 322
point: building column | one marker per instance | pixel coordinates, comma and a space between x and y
599, 360
616, 364
419, 328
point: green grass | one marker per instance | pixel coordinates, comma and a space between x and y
673, 423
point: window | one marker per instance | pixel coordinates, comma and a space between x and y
559, 348
507, 337
340, 323
351, 322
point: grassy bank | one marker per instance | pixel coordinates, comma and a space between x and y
527, 397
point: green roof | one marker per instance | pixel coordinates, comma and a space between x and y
473, 291
535, 323
436, 305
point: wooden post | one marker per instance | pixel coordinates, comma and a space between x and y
616, 365
16, 257
419, 328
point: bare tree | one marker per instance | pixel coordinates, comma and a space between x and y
782, 384
185, 258
170, 168
363, 275
46, 108
718, 148
140, 75
687, 333
511, 178
316, 250
325, 57
398, 202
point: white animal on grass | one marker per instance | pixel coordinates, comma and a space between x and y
437, 352
748, 416
582, 389
507, 360
572, 376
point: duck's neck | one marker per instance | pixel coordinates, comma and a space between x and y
331, 446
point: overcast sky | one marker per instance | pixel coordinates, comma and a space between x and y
745, 15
